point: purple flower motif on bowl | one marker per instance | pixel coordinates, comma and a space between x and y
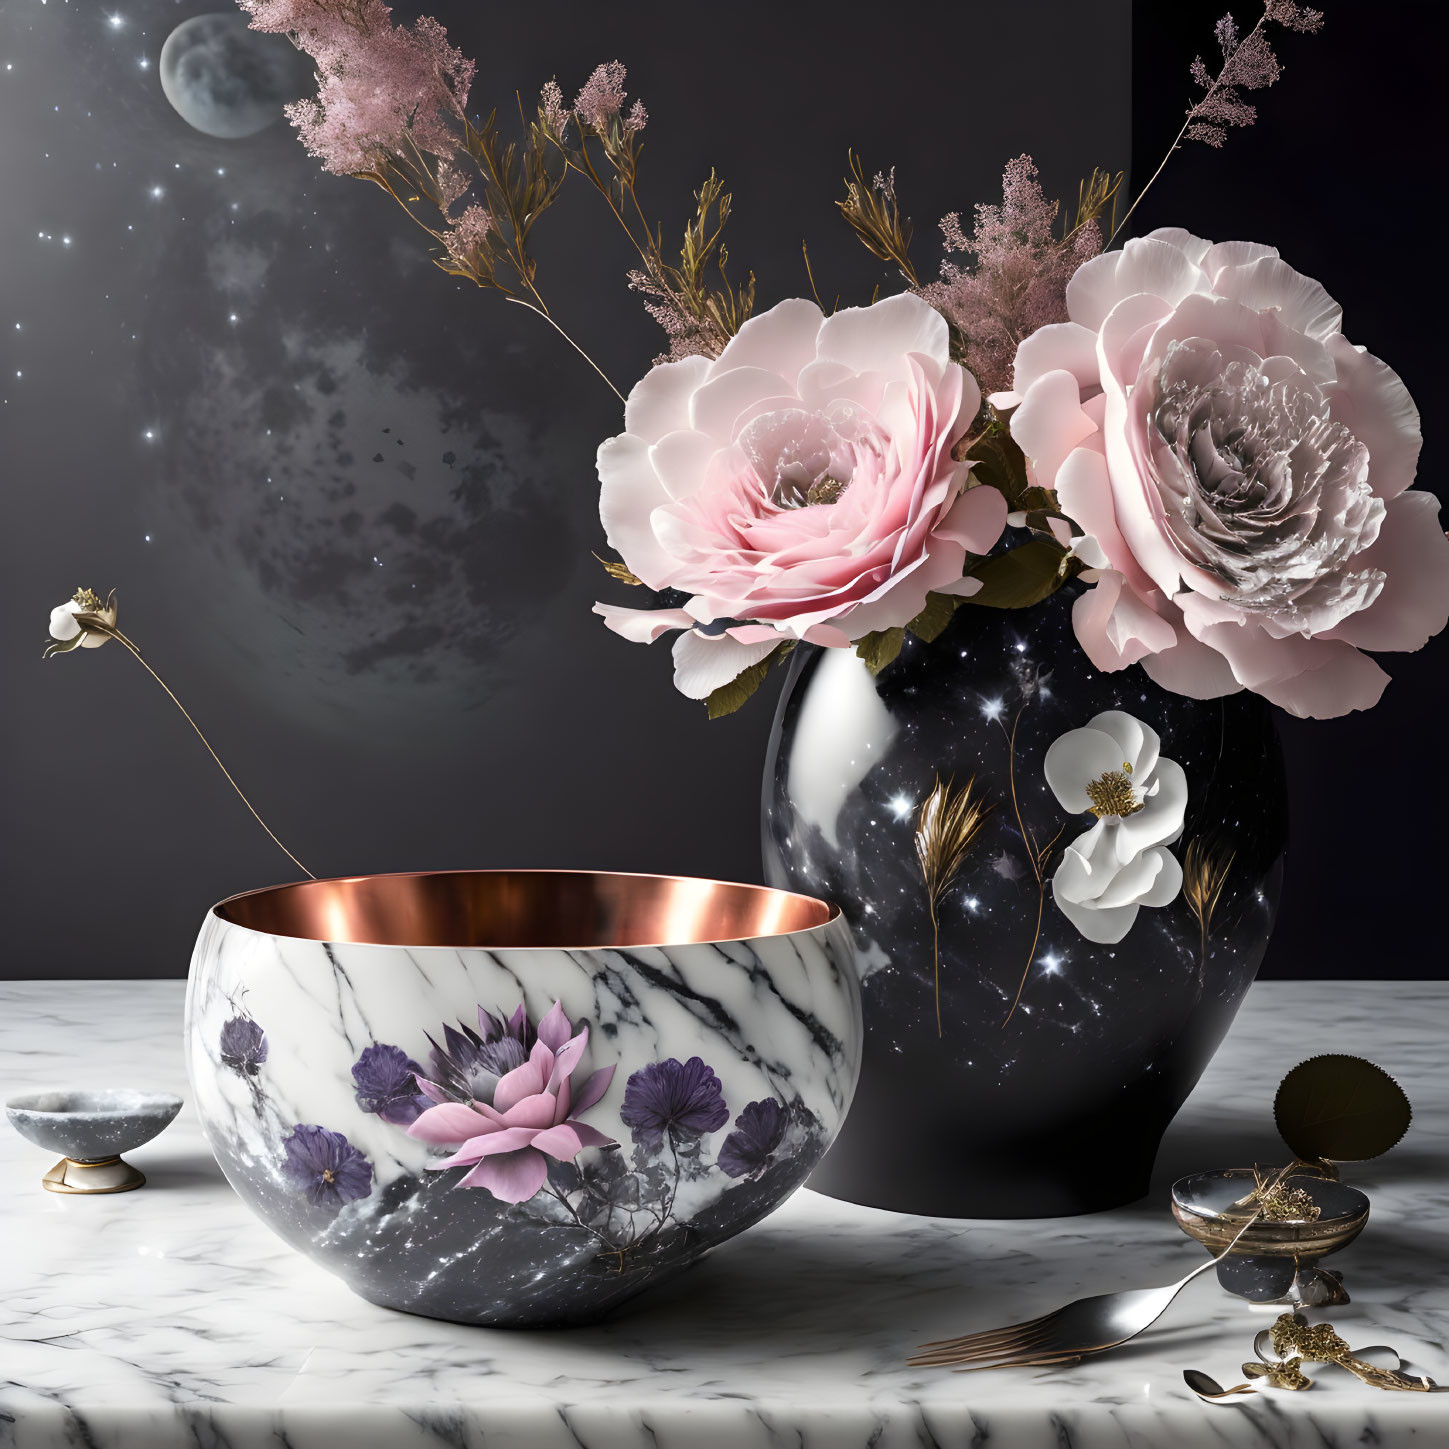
508, 1140
243, 1045
749, 1149
325, 1167
681, 1100
386, 1081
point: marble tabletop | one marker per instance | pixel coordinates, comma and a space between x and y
171, 1316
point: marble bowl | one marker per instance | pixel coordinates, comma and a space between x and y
91, 1129
519, 1097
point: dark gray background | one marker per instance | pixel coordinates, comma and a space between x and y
357, 543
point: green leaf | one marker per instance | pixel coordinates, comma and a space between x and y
931, 621
1340, 1109
1037, 500
880, 648
729, 697
1022, 577
999, 463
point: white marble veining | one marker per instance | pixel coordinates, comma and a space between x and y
171, 1316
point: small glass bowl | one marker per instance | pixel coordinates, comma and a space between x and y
1273, 1260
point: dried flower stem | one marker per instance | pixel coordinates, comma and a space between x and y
120, 638
810, 273
525, 272
581, 162
1248, 63
947, 826
873, 212
1161, 166
1038, 859
548, 317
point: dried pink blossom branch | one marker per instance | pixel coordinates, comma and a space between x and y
686, 335
1018, 279
392, 108
692, 300
1249, 64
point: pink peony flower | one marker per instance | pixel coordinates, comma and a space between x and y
1239, 471
799, 486
530, 1119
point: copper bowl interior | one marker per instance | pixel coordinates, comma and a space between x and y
514, 909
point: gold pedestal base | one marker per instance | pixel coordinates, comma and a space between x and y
109, 1174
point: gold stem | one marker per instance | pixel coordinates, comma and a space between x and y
538, 305
590, 174
1027, 839
523, 302
810, 272
936, 955
1031, 955
1037, 863
136, 653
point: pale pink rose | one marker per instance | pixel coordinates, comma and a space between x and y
1238, 470
799, 486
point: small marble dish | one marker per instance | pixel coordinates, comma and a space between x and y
92, 1129
1274, 1260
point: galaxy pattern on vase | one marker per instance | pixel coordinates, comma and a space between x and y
1058, 1050
635, 1108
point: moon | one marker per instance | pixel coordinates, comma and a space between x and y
226, 80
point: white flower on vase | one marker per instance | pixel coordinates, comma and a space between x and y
1112, 768
72, 624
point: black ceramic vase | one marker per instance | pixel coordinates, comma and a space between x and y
1034, 1022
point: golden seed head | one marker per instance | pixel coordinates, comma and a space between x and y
89, 600
825, 490
1112, 794
1282, 1205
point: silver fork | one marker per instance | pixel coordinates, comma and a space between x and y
1090, 1325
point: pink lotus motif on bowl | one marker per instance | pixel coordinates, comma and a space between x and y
509, 1140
